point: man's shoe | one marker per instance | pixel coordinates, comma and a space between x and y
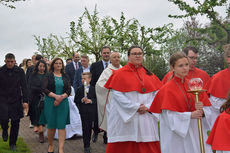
105, 137
87, 150
5, 135
94, 138
13, 147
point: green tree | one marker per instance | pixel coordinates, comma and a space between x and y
190, 35
9, 3
90, 33
53, 46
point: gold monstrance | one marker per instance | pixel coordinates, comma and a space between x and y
196, 87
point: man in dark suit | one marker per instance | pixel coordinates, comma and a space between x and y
72, 67
96, 69
13, 97
84, 68
86, 102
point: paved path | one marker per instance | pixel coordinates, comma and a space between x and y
71, 146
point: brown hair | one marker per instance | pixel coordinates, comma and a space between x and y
85, 56
175, 57
52, 65
226, 105
105, 47
87, 73
187, 49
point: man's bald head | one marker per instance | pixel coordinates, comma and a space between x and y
115, 59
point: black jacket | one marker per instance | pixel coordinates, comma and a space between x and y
70, 71
29, 72
96, 69
86, 108
35, 86
49, 84
13, 91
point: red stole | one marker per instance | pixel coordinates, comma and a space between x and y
130, 78
219, 138
172, 96
219, 84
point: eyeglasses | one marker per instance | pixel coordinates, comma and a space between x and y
192, 57
137, 54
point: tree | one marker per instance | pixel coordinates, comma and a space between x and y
215, 34
90, 33
53, 46
190, 35
9, 3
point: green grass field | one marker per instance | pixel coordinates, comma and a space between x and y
21, 146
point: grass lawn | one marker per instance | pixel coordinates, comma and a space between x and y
21, 146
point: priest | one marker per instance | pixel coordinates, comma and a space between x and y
101, 91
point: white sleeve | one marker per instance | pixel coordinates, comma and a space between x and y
215, 108
177, 122
124, 106
208, 117
216, 102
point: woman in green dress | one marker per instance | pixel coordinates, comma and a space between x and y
57, 88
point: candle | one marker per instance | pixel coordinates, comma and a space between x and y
85, 88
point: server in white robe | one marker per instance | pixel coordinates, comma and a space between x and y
130, 127
179, 113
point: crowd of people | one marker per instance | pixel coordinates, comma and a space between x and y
125, 103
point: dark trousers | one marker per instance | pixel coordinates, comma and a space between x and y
95, 123
13, 129
87, 124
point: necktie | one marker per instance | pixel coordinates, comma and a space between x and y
106, 64
76, 66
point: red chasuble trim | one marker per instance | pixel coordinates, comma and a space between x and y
133, 147
172, 96
219, 84
130, 78
219, 137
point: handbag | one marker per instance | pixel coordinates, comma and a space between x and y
41, 102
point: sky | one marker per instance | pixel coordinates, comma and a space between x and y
42, 17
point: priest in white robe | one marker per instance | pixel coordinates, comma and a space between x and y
101, 92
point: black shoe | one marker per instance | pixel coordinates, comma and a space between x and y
94, 138
105, 138
13, 147
87, 150
5, 135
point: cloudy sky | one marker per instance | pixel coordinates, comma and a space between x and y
42, 17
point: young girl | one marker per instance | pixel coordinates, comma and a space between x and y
179, 112
219, 137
